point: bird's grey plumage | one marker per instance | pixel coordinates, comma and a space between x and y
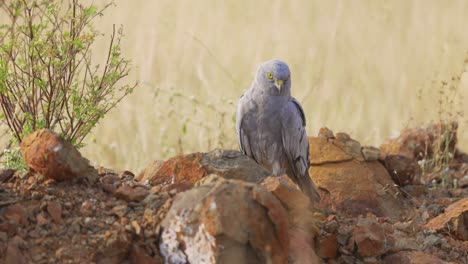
271, 124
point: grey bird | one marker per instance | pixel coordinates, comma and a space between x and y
270, 126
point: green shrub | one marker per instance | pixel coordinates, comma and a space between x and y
47, 75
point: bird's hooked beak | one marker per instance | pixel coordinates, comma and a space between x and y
279, 84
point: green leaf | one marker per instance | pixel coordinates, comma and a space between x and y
90, 11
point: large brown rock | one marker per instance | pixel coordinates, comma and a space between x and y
47, 153
302, 217
225, 221
454, 220
412, 257
349, 184
188, 169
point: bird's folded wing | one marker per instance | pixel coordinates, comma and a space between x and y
295, 140
242, 137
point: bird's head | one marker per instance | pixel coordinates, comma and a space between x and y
274, 77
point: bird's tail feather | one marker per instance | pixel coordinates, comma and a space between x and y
307, 186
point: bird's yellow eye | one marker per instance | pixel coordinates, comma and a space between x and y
269, 76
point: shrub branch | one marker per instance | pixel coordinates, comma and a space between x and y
47, 77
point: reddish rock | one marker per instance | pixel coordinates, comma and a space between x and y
412, 257
50, 155
14, 255
225, 221
420, 143
328, 246
41, 219
302, 218
370, 238
454, 220
55, 210
404, 170
130, 194
181, 169
187, 170
16, 213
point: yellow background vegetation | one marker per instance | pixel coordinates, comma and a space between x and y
368, 68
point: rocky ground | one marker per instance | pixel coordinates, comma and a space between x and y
377, 206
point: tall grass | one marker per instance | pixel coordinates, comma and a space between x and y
357, 66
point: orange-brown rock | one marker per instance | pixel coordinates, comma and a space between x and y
322, 151
47, 153
349, 184
225, 221
370, 238
181, 169
302, 218
412, 257
355, 188
454, 220
190, 168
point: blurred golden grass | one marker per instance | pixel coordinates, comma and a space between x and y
368, 68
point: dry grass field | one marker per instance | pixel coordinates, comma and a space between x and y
368, 68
